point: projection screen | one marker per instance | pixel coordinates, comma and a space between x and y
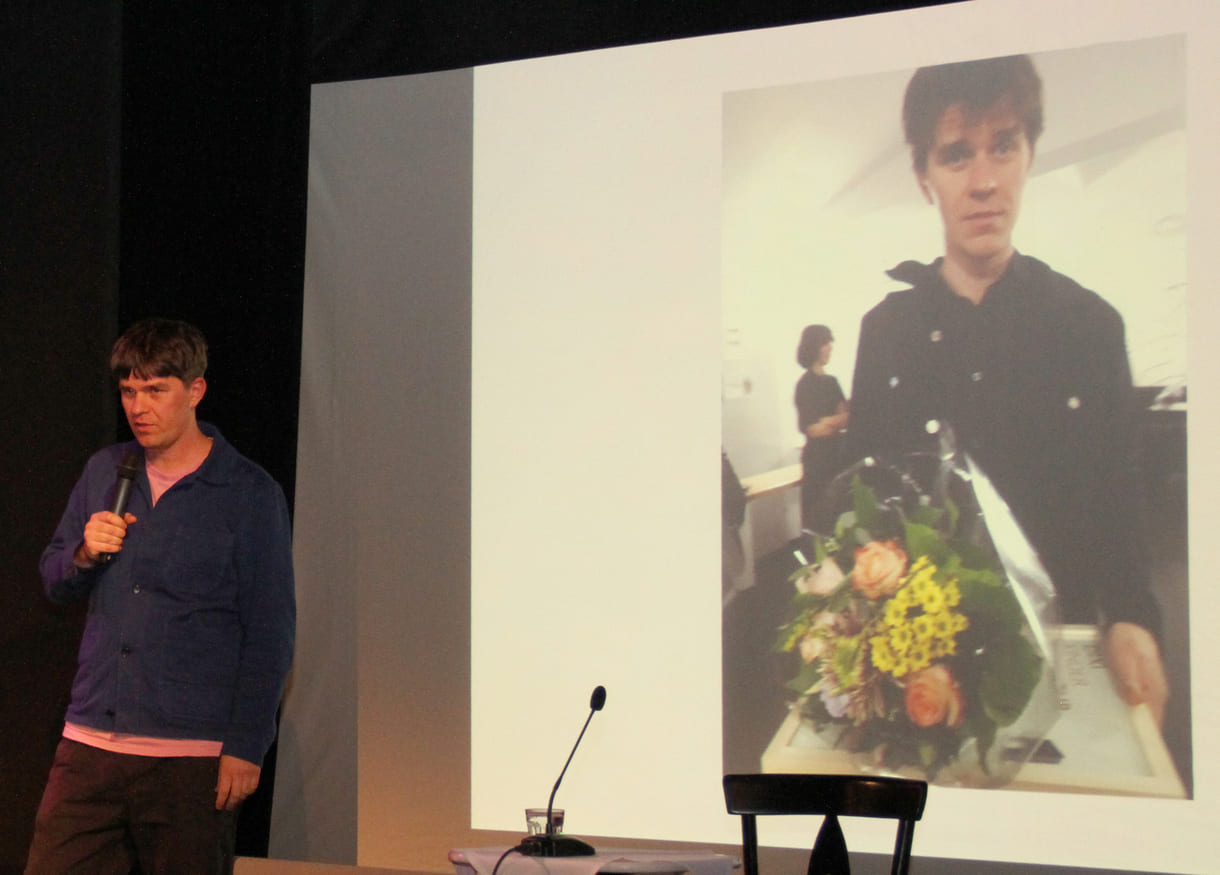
613, 265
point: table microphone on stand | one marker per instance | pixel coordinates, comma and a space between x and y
549, 844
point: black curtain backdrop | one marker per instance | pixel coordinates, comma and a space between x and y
214, 156
58, 292
357, 39
154, 163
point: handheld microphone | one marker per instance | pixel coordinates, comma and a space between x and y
128, 467
551, 845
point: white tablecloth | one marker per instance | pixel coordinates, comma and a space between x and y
608, 861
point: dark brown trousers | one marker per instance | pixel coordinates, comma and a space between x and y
106, 813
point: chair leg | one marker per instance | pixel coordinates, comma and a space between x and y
902, 848
749, 845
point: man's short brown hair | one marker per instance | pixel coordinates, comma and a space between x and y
977, 86
160, 348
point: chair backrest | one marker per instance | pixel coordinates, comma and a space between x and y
832, 796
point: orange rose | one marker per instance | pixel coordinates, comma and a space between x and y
879, 568
933, 697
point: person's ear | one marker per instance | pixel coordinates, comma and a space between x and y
924, 188
196, 390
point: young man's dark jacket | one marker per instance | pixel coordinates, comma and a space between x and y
1035, 383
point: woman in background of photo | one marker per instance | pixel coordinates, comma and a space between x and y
821, 414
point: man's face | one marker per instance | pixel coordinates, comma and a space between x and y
975, 175
159, 410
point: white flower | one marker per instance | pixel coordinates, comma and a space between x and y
822, 579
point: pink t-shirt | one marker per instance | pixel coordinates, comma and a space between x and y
159, 482
117, 742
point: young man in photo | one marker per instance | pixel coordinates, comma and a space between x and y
1028, 368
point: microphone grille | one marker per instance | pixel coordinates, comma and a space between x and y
598, 700
129, 465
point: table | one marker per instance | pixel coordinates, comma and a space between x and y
607, 861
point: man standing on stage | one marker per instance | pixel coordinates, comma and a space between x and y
189, 633
1029, 368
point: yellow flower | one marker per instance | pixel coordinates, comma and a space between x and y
919, 656
883, 656
917, 624
900, 638
895, 613
933, 599
941, 647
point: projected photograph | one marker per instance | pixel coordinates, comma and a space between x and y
954, 401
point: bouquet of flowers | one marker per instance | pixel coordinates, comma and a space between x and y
915, 649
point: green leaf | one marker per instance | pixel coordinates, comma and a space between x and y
973, 555
844, 525
864, 502
954, 514
986, 600
840, 600
924, 540
786, 638
1012, 669
846, 660
926, 515
805, 679
809, 601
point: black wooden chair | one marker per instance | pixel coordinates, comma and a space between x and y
832, 796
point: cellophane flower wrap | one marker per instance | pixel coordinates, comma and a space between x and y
919, 627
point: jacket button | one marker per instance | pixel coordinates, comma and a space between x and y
125, 650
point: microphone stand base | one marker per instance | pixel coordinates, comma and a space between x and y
554, 846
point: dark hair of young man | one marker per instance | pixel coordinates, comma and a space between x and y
977, 86
159, 348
